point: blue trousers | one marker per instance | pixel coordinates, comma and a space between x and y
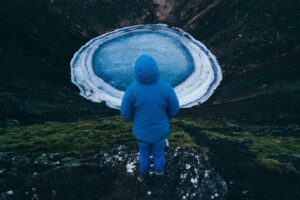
158, 151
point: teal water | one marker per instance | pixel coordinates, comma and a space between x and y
113, 61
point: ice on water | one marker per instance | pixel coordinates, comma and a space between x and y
104, 67
114, 60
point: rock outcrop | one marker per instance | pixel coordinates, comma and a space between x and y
106, 175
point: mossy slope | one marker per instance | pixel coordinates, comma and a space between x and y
272, 152
85, 135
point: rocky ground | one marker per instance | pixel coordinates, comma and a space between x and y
107, 175
99, 162
251, 162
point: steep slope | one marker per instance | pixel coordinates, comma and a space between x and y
256, 43
38, 39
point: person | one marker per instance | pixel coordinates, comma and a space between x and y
149, 103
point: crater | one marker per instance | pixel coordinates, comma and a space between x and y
104, 67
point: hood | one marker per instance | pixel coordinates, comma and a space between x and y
146, 70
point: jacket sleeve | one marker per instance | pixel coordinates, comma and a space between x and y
173, 103
126, 107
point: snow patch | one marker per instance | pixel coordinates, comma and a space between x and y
194, 180
206, 174
130, 167
187, 166
10, 192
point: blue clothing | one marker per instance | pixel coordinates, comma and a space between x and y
149, 102
158, 150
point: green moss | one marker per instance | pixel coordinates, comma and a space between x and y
178, 137
208, 124
54, 136
102, 133
275, 147
212, 135
272, 152
275, 165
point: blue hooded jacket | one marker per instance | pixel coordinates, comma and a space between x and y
149, 102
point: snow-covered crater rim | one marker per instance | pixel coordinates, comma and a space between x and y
196, 89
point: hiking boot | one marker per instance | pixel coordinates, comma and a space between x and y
146, 180
159, 179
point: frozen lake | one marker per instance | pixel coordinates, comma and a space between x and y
104, 67
113, 61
